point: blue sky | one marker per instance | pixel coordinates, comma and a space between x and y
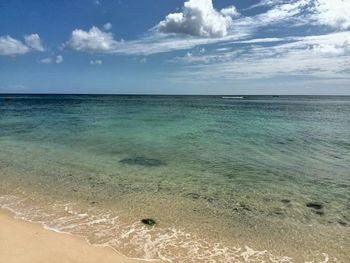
175, 47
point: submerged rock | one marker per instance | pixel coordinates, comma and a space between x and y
286, 201
245, 207
278, 211
148, 221
194, 195
143, 161
318, 212
314, 205
342, 223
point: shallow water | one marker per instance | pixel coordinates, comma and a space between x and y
227, 180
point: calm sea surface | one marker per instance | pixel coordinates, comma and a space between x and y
226, 179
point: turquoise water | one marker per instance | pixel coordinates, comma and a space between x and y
271, 173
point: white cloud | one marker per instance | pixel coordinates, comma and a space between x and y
267, 3
335, 13
107, 26
324, 56
230, 11
46, 61
155, 44
59, 59
98, 41
96, 62
199, 24
335, 49
200, 19
11, 47
34, 42
339, 44
280, 13
93, 40
262, 40
51, 60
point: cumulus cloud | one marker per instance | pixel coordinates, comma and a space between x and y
11, 47
97, 41
34, 42
335, 13
230, 11
93, 40
199, 24
52, 60
198, 18
107, 26
96, 62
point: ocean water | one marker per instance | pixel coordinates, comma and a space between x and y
252, 179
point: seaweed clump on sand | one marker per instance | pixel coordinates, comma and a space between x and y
285, 201
316, 206
143, 161
148, 221
342, 223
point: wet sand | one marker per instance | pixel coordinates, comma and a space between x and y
26, 242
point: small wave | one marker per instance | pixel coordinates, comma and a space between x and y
232, 97
104, 228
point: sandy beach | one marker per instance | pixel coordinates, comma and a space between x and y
26, 242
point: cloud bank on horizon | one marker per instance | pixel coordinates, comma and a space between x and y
269, 39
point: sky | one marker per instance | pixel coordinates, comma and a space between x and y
175, 46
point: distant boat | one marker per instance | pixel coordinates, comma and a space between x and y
232, 97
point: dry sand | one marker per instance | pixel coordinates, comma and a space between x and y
25, 242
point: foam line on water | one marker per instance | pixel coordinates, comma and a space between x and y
170, 245
135, 240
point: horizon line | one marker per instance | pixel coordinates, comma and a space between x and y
162, 94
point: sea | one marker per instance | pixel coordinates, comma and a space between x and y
223, 178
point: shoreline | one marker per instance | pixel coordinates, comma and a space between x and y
27, 242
